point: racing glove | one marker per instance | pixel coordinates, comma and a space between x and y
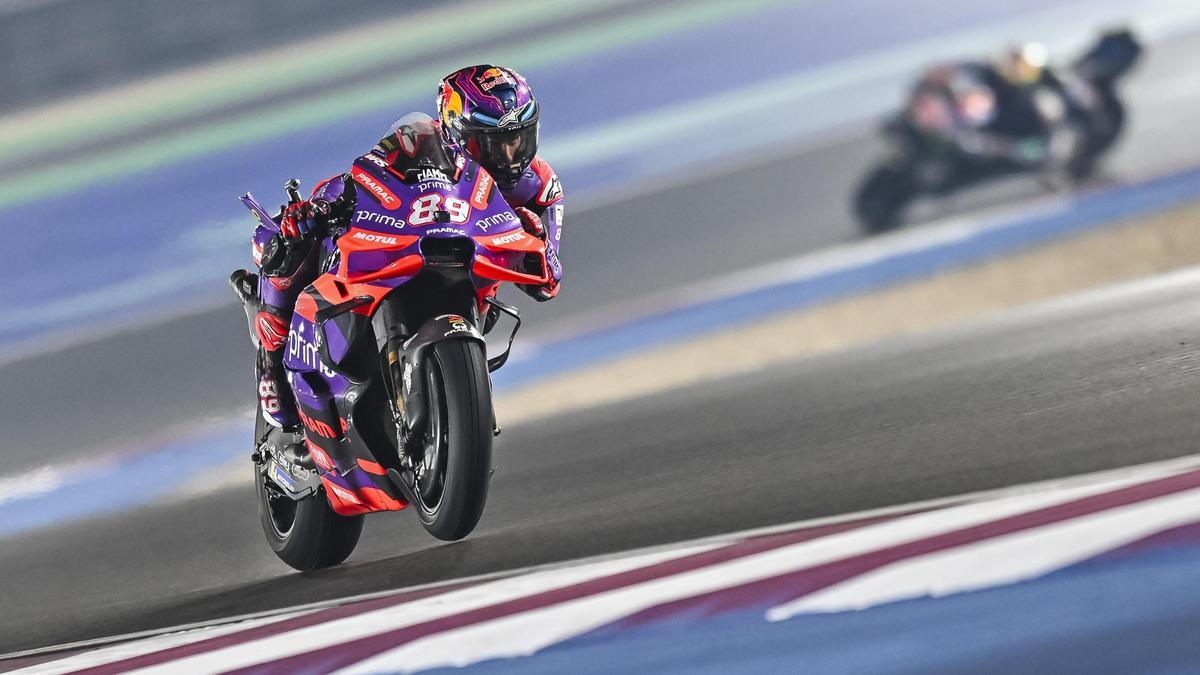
533, 225
531, 222
299, 219
285, 252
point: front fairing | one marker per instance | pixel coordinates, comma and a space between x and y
382, 245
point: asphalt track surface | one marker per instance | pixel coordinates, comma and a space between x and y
1039, 395
1045, 395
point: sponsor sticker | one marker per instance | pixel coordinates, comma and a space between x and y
375, 159
375, 238
282, 478
492, 78
320, 457
457, 325
432, 175
343, 494
306, 351
317, 426
377, 189
513, 116
508, 238
551, 191
482, 190
494, 220
372, 217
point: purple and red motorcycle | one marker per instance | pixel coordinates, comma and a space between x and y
388, 362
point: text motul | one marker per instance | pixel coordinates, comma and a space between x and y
374, 238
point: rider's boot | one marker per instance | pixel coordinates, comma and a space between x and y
275, 400
269, 329
277, 405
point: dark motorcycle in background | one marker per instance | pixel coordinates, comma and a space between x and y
935, 153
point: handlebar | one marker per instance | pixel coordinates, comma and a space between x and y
292, 188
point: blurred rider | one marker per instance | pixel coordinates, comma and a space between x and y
486, 113
997, 97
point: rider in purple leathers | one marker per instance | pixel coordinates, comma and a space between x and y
486, 113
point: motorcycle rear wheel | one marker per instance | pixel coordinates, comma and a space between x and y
453, 485
306, 534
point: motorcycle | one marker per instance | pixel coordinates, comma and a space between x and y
394, 330
934, 152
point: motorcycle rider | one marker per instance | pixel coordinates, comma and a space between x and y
488, 114
996, 99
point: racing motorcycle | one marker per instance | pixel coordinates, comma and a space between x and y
394, 329
938, 146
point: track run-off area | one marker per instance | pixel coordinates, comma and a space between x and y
767, 599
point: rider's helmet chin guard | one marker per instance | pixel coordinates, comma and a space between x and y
489, 113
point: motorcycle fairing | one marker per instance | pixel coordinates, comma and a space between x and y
326, 397
379, 252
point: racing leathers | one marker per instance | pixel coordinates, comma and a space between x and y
290, 262
990, 105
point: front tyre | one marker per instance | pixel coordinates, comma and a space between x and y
881, 197
306, 534
452, 479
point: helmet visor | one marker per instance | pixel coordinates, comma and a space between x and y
505, 153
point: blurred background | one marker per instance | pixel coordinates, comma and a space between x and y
711, 153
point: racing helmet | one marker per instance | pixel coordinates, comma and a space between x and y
489, 113
1023, 64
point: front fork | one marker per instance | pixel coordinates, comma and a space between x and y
404, 361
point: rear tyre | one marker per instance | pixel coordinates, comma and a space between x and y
882, 196
1103, 130
306, 534
452, 484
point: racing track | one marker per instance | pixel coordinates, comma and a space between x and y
1042, 394
1045, 394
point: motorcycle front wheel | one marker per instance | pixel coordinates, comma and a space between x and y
881, 197
453, 474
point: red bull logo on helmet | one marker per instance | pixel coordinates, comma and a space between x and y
492, 78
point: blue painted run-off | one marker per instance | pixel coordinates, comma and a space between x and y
1135, 614
1018, 232
114, 484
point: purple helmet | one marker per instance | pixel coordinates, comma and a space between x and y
489, 113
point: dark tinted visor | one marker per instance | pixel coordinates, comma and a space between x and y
505, 153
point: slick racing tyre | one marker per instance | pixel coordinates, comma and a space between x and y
453, 474
306, 534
